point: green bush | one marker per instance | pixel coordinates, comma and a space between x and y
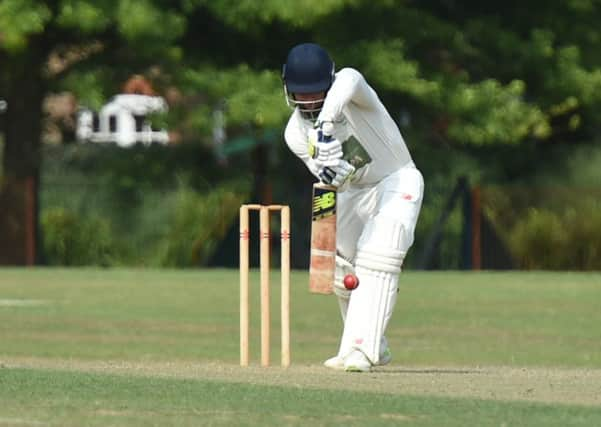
177, 229
72, 239
584, 230
536, 242
545, 240
158, 206
198, 224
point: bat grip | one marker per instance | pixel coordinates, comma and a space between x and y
322, 137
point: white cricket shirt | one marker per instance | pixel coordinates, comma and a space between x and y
371, 140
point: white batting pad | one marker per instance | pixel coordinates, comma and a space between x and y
380, 253
370, 308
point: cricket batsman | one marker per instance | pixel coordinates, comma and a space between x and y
345, 136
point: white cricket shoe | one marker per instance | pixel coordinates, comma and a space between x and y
357, 362
336, 363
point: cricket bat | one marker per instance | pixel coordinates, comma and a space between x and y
323, 239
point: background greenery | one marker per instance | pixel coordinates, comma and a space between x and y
493, 92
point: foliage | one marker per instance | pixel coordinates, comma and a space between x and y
153, 216
252, 97
547, 227
537, 241
197, 224
545, 240
178, 229
501, 78
71, 239
583, 225
579, 167
492, 83
21, 19
303, 13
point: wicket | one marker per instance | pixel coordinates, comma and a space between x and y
264, 214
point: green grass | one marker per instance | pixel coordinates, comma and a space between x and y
154, 318
516, 319
100, 400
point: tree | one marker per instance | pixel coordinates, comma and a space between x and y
40, 42
464, 75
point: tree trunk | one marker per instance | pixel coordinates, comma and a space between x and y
23, 87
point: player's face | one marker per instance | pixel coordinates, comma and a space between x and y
310, 101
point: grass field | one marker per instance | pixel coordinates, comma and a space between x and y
116, 347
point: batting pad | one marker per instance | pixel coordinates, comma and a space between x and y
370, 308
380, 254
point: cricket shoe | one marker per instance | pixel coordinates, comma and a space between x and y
337, 362
357, 362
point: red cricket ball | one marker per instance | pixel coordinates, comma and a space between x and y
351, 282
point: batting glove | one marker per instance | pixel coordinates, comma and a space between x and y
337, 174
324, 148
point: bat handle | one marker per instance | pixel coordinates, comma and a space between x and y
322, 137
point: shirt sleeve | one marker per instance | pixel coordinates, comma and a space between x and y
349, 87
298, 143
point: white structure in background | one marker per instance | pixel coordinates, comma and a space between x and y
3, 105
123, 121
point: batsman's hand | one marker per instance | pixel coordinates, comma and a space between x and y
338, 174
324, 148
329, 153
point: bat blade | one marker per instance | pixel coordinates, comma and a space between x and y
323, 239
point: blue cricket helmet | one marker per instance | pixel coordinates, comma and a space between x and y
308, 69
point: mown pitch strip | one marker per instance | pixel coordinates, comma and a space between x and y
544, 385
